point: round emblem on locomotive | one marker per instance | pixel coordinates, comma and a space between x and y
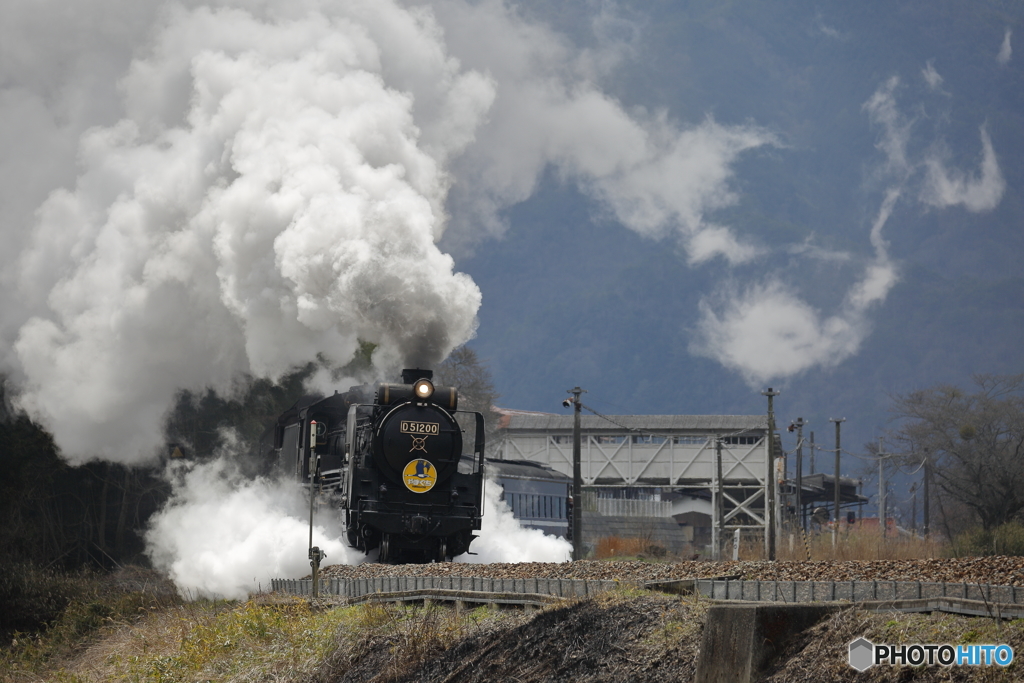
419, 476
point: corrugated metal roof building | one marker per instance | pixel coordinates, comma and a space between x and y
642, 450
667, 452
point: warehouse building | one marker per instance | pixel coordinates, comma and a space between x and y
652, 475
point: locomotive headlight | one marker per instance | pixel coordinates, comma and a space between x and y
423, 389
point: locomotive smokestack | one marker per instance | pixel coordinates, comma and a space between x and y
409, 375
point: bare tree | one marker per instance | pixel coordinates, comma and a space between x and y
973, 442
464, 370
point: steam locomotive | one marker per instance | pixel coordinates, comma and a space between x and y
392, 462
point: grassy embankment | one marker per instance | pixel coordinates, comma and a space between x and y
622, 635
132, 626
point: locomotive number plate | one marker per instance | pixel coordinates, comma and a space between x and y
410, 427
419, 476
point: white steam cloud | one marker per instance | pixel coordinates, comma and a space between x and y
224, 536
656, 177
504, 539
267, 198
264, 183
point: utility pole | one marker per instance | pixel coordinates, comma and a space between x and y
913, 508
577, 478
769, 506
315, 554
812, 452
927, 489
718, 508
835, 528
860, 502
799, 422
881, 490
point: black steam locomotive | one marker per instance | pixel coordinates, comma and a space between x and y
392, 460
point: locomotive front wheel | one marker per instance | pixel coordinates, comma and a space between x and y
385, 549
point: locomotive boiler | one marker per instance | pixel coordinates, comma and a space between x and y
393, 461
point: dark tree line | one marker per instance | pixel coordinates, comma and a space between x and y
55, 514
95, 514
464, 369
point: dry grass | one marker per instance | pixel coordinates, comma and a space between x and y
266, 638
618, 547
852, 544
199, 640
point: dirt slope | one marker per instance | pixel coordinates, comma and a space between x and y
652, 637
646, 638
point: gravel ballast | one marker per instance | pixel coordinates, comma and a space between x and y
1005, 571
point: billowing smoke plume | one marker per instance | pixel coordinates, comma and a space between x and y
651, 174
267, 199
504, 539
223, 535
767, 331
272, 180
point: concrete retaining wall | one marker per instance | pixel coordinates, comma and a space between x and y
741, 641
854, 591
749, 591
354, 588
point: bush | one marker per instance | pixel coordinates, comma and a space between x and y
1006, 539
32, 597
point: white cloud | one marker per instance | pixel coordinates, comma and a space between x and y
714, 240
1005, 50
257, 183
931, 76
830, 31
976, 191
767, 331
895, 128
811, 250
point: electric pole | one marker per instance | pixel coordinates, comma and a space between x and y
769, 508
835, 529
812, 452
718, 508
577, 478
881, 490
913, 507
800, 471
925, 521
